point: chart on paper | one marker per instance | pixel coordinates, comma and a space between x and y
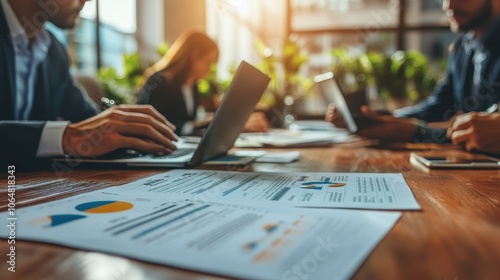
241, 241
336, 190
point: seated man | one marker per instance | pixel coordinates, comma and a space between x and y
471, 82
36, 89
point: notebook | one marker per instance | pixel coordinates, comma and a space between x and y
228, 122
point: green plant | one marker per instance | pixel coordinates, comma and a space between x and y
352, 71
122, 87
283, 69
212, 86
402, 75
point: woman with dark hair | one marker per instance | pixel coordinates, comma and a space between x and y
171, 83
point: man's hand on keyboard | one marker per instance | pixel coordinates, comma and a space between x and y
137, 127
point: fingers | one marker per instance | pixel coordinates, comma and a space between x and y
151, 131
460, 123
465, 138
131, 117
143, 131
145, 109
333, 115
460, 137
142, 145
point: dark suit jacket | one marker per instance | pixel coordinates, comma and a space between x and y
451, 95
167, 98
56, 96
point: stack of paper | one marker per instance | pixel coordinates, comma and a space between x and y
229, 223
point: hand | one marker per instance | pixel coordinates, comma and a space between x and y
124, 126
388, 128
333, 115
257, 122
477, 131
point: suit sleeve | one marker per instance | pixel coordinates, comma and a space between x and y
19, 141
437, 107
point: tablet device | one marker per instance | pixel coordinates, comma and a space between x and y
440, 159
348, 105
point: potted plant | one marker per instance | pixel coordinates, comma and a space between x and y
122, 88
400, 79
287, 85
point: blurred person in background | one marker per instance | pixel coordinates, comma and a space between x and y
471, 84
171, 83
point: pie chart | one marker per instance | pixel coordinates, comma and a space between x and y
100, 207
57, 220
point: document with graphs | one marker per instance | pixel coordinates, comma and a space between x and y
380, 191
236, 241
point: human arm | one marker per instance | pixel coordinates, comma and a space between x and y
132, 126
439, 106
19, 140
391, 129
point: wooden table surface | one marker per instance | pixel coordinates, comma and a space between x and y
455, 236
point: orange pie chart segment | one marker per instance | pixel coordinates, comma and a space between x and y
100, 207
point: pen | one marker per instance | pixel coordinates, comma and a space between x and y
107, 103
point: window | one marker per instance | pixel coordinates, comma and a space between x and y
381, 25
333, 14
114, 21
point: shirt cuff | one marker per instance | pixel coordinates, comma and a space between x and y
51, 140
187, 128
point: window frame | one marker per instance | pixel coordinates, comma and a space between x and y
401, 29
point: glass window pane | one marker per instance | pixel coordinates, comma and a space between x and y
428, 12
434, 44
384, 42
89, 10
119, 14
331, 14
84, 44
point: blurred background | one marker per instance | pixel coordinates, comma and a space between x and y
394, 51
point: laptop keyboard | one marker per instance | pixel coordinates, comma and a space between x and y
175, 154
129, 153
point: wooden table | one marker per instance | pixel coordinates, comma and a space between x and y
455, 236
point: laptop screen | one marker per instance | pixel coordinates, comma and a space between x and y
229, 120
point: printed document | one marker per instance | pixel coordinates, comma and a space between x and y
237, 241
382, 191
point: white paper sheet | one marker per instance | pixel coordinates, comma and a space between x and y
288, 138
279, 157
308, 189
237, 241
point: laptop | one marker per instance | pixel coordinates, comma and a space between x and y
349, 105
228, 122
